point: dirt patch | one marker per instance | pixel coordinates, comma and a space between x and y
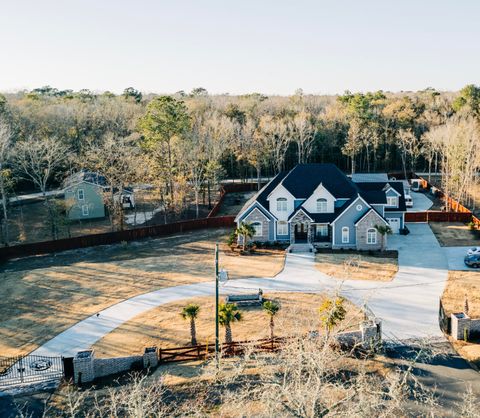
43, 296
468, 350
233, 202
459, 284
356, 266
164, 327
454, 234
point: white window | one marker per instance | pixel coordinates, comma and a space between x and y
371, 236
80, 194
345, 235
391, 201
321, 205
85, 210
322, 230
282, 228
258, 229
281, 204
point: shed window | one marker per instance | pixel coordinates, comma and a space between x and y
80, 194
85, 210
321, 205
258, 229
281, 204
282, 228
345, 235
371, 236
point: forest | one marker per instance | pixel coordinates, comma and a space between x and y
184, 144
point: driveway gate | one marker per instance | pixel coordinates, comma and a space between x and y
24, 370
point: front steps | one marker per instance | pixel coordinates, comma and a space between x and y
300, 248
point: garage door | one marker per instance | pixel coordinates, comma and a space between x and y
394, 224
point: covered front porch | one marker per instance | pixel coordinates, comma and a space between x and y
306, 232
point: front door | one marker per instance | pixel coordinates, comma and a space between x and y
300, 233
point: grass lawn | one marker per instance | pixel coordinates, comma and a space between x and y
459, 284
42, 296
357, 267
454, 234
164, 327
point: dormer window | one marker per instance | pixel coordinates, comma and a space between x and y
281, 204
392, 201
321, 205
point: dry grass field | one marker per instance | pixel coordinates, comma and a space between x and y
356, 267
42, 296
164, 327
459, 284
455, 234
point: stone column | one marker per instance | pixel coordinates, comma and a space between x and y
83, 367
150, 358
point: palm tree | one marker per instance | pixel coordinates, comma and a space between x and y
191, 312
383, 230
271, 308
246, 231
228, 313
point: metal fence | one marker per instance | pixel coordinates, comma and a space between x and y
24, 370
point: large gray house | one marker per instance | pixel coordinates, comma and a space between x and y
318, 204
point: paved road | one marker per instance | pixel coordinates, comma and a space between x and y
420, 202
408, 305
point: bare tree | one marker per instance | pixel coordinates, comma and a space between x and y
38, 160
5, 154
303, 131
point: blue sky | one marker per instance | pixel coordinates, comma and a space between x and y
242, 46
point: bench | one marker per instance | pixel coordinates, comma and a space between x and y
245, 300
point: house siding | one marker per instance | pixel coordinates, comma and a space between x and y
348, 218
92, 197
257, 216
363, 226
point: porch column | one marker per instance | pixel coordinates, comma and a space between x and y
292, 233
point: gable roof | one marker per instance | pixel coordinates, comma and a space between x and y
303, 179
85, 176
367, 212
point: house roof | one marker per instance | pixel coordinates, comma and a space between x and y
85, 176
303, 179
367, 212
369, 177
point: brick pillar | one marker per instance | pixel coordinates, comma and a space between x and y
150, 358
83, 367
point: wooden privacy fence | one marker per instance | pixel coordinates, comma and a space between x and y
204, 351
231, 188
437, 216
47, 247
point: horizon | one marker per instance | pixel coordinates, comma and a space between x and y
273, 48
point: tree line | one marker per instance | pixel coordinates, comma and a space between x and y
184, 144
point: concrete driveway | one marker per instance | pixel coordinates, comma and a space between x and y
408, 305
421, 202
455, 257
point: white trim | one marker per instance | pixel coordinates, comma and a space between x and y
348, 207
376, 233
389, 205
284, 202
391, 188
277, 186
283, 223
323, 200
252, 204
85, 212
296, 213
347, 230
259, 211
367, 212
83, 194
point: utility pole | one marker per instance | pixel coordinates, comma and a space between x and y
217, 348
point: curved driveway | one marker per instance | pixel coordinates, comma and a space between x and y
408, 305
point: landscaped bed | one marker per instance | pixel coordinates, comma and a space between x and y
164, 327
459, 285
352, 265
455, 234
42, 296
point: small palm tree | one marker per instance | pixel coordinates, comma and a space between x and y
332, 312
271, 308
383, 230
191, 312
246, 231
228, 313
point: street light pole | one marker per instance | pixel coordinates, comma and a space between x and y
217, 348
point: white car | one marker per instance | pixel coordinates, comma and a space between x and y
473, 251
408, 201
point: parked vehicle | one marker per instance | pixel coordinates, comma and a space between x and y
408, 201
472, 260
473, 250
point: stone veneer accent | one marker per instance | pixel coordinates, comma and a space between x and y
369, 221
87, 368
300, 218
256, 216
461, 322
